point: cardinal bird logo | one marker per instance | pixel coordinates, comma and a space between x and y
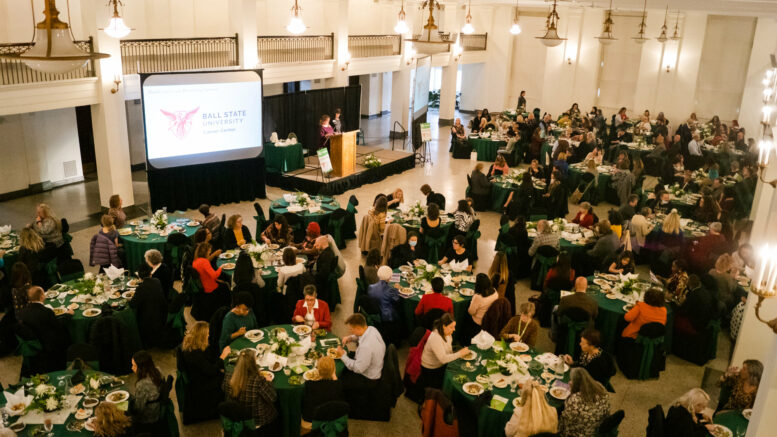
180, 122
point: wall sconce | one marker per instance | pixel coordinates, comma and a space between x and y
569, 61
347, 59
411, 56
668, 68
117, 81
457, 52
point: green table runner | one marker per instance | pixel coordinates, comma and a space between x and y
284, 158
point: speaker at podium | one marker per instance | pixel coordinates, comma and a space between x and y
342, 153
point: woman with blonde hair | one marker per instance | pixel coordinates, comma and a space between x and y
671, 224
499, 272
48, 225
533, 416
34, 254
499, 167
585, 408
109, 421
250, 389
522, 327
685, 417
205, 372
236, 234
115, 211
726, 283
325, 389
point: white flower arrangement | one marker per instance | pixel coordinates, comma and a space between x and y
558, 224
371, 161
46, 398
159, 219
89, 276
303, 199
416, 211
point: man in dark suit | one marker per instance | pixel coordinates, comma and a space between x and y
40, 321
325, 264
159, 270
150, 306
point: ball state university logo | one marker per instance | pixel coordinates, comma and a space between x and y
180, 122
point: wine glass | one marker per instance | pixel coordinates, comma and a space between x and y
513, 384
48, 426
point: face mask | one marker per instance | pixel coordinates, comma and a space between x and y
412, 243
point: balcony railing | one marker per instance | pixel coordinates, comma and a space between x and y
275, 49
177, 54
474, 42
14, 71
368, 46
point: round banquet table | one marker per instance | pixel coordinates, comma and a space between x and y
460, 302
573, 248
328, 206
485, 147
610, 320
283, 159
501, 189
74, 292
135, 247
446, 222
34, 420
289, 395
10, 244
576, 172
733, 420
490, 422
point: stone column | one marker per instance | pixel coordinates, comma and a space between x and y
340, 77
242, 21
448, 93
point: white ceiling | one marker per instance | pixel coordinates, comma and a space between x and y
758, 8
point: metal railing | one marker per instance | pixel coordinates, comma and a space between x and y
14, 71
474, 42
177, 54
276, 49
368, 46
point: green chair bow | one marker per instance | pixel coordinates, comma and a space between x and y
372, 319
335, 228
175, 257
181, 381
235, 428
712, 346
349, 228
177, 321
472, 243
434, 246
51, 271
331, 428
261, 224
361, 290
648, 351
28, 348
573, 329
334, 292
544, 263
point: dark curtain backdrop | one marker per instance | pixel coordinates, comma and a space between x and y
300, 112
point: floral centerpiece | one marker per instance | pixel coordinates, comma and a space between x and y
677, 191
302, 199
416, 211
558, 224
427, 272
258, 251
89, 284
46, 398
513, 177
159, 219
506, 363
628, 287
371, 161
281, 343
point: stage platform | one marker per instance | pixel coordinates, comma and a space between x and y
310, 180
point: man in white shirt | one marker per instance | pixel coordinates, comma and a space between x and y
365, 369
694, 147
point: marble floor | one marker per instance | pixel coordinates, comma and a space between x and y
447, 176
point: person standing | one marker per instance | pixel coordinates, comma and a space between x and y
521, 101
337, 124
325, 131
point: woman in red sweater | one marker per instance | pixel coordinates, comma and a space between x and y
649, 311
311, 311
585, 216
208, 276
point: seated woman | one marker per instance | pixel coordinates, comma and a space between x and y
585, 408
458, 253
652, 310
606, 245
556, 197
406, 253
208, 276
522, 327
325, 389
306, 247
685, 419
371, 266
395, 199
499, 167
742, 385
585, 216
457, 132
238, 320
520, 202
707, 211
536, 170
311, 311
252, 391
115, 211
534, 416
432, 219
501, 278
480, 187
562, 165
595, 155
484, 296
623, 265
463, 217
378, 213
725, 281
676, 284
205, 372
593, 358
561, 276
145, 407
49, 227
289, 269
279, 232
435, 299
438, 352
110, 421
236, 234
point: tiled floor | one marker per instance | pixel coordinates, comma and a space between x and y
446, 176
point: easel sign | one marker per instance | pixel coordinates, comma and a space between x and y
426, 132
323, 160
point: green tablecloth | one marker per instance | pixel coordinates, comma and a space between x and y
135, 247
79, 325
491, 422
610, 320
61, 430
460, 302
415, 225
289, 396
733, 420
283, 159
10, 244
572, 248
328, 206
575, 174
500, 191
485, 148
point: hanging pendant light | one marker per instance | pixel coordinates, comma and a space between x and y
640, 38
607, 37
663, 38
54, 50
676, 34
551, 38
116, 27
296, 26
401, 27
468, 28
515, 29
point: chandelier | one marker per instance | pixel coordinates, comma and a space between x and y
640, 38
663, 38
468, 28
551, 38
401, 27
607, 37
116, 27
296, 26
515, 29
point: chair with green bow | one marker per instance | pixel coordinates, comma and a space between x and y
572, 322
699, 348
31, 350
88, 354
335, 226
544, 260
367, 307
51, 271
500, 239
547, 301
644, 358
330, 419
472, 237
610, 424
434, 240
70, 270
175, 247
261, 221
349, 227
236, 420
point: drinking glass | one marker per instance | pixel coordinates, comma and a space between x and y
48, 426
513, 385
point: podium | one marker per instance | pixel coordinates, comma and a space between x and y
342, 152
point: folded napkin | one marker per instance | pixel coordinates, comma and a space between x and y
288, 197
5, 229
294, 208
269, 358
114, 273
483, 340
274, 137
458, 266
12, 399
314, 209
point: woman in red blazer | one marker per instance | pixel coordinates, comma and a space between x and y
311, 311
